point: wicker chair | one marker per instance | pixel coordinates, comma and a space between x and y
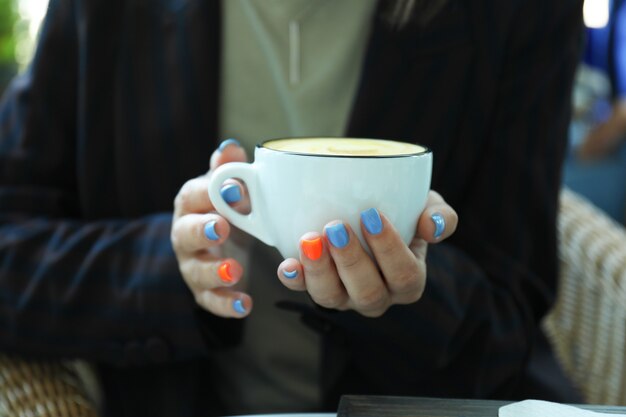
587, 326
43, 389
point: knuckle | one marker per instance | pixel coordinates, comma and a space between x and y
175, 236
196, 273
409, 287
412, 297
406, 281
454, 220
178, 201
408, 298
348, 260
435, 194
372, 300
203, 300
187, 269
175, 242
331, 300
375, 313
199, 299
183, 197
386, 248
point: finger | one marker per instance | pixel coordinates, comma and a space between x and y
193, 197
229, 150
236, 194
320, 276
194, 232
365, 287
404, 274
438, 221
233, 192
225, 302
291, 275
207, 275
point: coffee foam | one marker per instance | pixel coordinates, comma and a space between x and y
344, 146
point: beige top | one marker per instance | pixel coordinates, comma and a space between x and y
289, 68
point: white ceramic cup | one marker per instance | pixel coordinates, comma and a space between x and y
292, 193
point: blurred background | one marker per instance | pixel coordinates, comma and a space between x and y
19, 24
596, 163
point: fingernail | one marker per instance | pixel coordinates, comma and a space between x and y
290, 275
239, 307
312, 248
227, 143
209, 231
224, 272
338, 235
440, 224
372, 222
231, 193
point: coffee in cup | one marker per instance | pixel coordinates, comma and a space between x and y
298, 185
344, 147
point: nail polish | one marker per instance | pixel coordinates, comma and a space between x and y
440, 224
209, 231
227, 143
231, 193
372, 221
312, 248
337, 235
224, 272
290, 274
239, 307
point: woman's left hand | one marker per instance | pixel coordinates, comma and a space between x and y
338, 273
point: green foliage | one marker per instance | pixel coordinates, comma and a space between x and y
8, 19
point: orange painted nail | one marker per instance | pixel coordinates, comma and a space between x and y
224, 272
312, 248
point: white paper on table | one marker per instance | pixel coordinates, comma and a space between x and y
536, 408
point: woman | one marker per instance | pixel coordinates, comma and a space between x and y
121, 107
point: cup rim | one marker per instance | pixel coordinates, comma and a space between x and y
261, 145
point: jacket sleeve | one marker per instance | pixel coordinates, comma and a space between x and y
106, 290
489, 286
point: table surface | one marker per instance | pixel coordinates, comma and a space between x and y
290, 415
376, 406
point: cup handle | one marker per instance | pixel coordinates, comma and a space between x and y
252, 223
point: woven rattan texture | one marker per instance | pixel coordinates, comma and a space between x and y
42, 389
587, 326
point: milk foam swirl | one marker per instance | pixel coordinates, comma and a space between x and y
344, 146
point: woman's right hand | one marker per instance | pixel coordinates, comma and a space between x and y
198, 234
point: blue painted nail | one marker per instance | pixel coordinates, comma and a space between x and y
231, 193
372, 222
440, 224
209, 231
290, 275
238, 307
228, 142
338, 235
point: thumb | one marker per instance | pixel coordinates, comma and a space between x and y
229, 150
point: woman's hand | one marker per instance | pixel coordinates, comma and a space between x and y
338, 273
198, 235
